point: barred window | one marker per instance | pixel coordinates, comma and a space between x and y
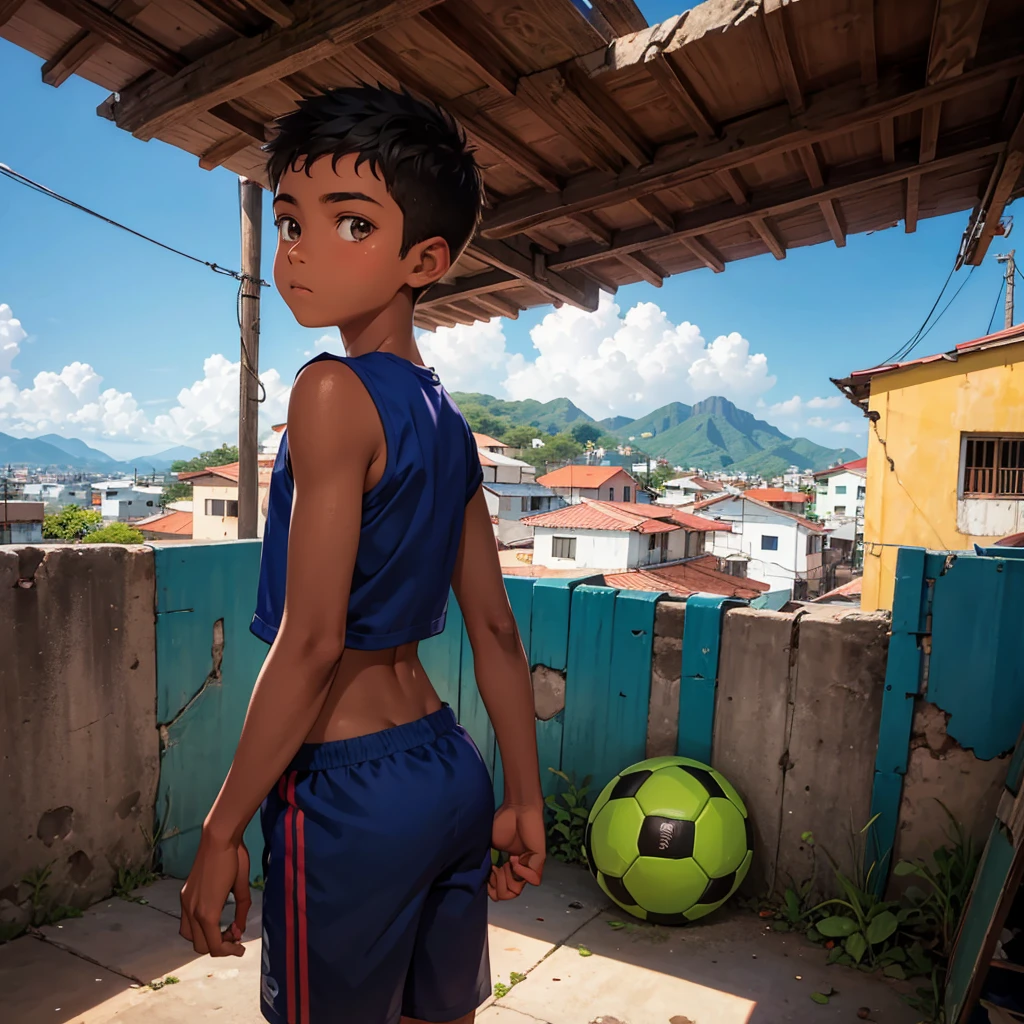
993, 467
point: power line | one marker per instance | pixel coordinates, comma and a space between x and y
999, 295
916, 337
43, 190
944, 308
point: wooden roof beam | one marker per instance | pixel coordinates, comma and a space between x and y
930, 119
956, 31
868, 49
593, 227
912, 201
220, 152
656, 210
115, 30
8, 9
782, 54
704, 253
150, 107
234, 116
498, 304
769, 236
733, 184
887, 138
830, 211
488, 282
242, 20
640, 264
681, 93
832, 112
1005, 184
623, 16
464, 28
68, 59
481, 129
843, 184
273, 10
566, 98
566, 286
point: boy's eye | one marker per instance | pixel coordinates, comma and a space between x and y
288, 229
354, 229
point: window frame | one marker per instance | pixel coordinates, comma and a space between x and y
570, 542
994, 492
769, 547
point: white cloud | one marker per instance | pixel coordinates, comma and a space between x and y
606, 362
796, 405
73, 402
466, 358
11, 336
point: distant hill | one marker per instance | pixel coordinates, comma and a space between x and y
712, 435
55, 452
716, 435
548, 417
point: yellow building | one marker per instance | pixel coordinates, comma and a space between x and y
215, 500
945, 453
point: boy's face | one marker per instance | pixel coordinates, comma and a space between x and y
339, 240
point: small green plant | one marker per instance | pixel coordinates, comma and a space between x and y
43, 911
501, 989
131, 878
259, 882
159, 983
568, 814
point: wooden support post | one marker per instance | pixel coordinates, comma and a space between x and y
250, 196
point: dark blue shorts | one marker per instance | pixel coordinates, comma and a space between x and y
376, 864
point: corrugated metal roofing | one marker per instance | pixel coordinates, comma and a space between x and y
770, 494
699, 576
855, 466
520, 490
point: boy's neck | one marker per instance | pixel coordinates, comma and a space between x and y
386, 330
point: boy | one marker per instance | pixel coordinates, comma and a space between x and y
377, 809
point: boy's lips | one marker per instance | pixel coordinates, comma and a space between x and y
295, 287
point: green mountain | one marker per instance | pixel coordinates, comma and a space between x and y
549, 417
716, 435
711, 435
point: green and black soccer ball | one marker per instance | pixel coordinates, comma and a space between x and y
669, 840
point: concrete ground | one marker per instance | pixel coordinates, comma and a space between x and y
583, 963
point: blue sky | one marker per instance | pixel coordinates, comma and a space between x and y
146, 321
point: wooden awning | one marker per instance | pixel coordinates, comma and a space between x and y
612, 151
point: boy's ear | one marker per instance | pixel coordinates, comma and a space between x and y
428, 262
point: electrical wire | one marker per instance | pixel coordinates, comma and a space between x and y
43, 190
901, 352
944, 308
999, 295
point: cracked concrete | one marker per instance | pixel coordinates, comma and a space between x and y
581, 962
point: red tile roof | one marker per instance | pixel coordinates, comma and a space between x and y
745, 496
708, 485
230, 472
486, 441
170, 524
621, 515
851, 589
770, 494
857, 464
699, 576
586, 477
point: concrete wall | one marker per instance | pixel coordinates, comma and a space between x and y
797, 712
78, 731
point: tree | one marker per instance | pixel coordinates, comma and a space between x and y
482, 421
520, 436
115, 533
222, 456
560, 448
584, 432
71, 523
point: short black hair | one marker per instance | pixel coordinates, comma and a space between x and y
417, 148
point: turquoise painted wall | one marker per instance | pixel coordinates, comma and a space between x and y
602, 639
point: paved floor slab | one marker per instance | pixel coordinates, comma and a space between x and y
729, 971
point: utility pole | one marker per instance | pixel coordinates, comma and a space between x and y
250, 197
1011, 269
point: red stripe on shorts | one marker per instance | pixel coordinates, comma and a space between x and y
300, 843
289, 906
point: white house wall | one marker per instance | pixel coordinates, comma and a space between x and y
595, 549
828, 498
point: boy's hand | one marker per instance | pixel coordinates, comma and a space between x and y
519, 831
219, 868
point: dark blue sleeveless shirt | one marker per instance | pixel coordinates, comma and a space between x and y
412, 519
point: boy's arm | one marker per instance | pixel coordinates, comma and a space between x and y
333, 435
503, 678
